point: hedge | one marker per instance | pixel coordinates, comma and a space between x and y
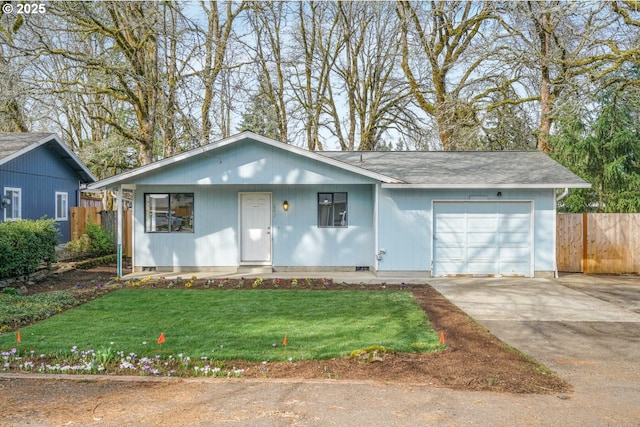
24, 245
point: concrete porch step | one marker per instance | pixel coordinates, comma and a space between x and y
255, 269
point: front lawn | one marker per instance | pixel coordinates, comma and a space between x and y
226, 325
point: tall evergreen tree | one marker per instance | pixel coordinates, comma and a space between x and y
608, 155
260, 116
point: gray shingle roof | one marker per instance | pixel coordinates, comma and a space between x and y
11, 143
15, 144
450, 169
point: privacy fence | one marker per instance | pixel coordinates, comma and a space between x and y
598, 243
81, 216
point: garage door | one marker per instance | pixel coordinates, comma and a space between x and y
483, 238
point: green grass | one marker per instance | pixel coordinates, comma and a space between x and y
16, 308
236, 324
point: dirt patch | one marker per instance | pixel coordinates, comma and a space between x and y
473, 360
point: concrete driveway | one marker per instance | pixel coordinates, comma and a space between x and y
586, 328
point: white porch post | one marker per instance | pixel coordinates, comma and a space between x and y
120, 230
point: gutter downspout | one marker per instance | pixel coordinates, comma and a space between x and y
555, 242
376, 218
564, 194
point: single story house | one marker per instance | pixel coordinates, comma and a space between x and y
248, 200
40, 177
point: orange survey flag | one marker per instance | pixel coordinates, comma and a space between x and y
18, 339
161, 338
284, 341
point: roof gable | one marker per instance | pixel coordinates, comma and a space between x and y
14, 145
246, 158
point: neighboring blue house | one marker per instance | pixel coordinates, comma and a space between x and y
248, 200
39, 176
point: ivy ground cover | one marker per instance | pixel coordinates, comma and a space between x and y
256, 325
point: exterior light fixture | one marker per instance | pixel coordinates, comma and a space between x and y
5, 201
285, 206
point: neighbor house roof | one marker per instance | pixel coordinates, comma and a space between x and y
464, 169
13, 145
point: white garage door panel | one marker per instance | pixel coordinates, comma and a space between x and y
485, 238
453, 253
481, 239
515, 222
515, 239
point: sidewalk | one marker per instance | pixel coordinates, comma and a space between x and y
350, 277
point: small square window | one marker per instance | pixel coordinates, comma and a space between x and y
62, 206
332, 210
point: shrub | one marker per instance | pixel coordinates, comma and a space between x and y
95, 242
25, 244
79, 247
101, 243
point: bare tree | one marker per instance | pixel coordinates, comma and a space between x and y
559, 49
220, 18
12, 111
267, 21
453, 39
319, 47
127, 70
624, 42
377, 95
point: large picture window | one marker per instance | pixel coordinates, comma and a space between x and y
168, 212
12, 210
332, 210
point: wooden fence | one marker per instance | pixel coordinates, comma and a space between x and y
81, 216
598, 243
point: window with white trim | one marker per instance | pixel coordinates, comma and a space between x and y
12, 210
332, 210
168, 213
62, 206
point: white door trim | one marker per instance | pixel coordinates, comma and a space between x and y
267, 231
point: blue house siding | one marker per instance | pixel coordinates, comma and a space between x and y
250, 162
507, 216
40, 174
297, 241
408, 213
404, 230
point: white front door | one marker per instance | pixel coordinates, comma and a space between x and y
255, 228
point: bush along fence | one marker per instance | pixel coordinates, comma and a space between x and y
107, 220
25, 245
598, 243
